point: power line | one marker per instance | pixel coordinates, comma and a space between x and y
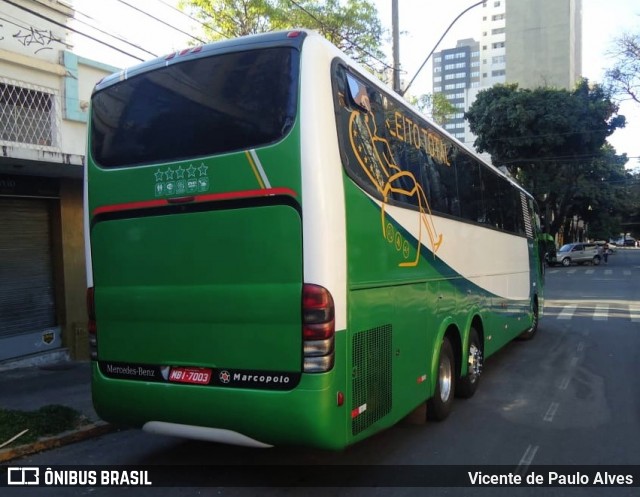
26, 28
438, 43
117, 37
161, 21
52, 21
205, 25
335, 33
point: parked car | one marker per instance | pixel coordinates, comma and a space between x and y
580, 253
629, 242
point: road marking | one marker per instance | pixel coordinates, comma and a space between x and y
608, 272
574, 362
551, 412
634, 314
580, 346
567, 312
564, 383
626, 272
601, 313
590, 271
571, 271
526, 459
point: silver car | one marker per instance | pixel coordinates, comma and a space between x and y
579, 253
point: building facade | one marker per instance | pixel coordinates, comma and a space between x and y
455, 72
529, 42
44, 97
544, 42
493, 64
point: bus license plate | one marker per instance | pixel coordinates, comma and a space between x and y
199, 376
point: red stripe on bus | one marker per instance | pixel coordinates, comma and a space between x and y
212, 197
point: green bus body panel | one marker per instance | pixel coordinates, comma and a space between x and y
420, 302
308, 415
161, 298
401, 308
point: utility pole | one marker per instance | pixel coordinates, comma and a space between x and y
396, 47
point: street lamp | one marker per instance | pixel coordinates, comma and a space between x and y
402, 92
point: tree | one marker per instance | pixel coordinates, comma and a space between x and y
553, 142
624, 77
351, 25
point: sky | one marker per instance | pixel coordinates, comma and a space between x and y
421, 22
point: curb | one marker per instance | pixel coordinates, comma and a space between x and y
66, 438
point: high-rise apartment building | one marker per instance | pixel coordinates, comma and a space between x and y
543, 46
455, 71
529, 42
493, 63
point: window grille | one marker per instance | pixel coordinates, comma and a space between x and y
28, 115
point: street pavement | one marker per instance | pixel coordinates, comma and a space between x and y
66, 383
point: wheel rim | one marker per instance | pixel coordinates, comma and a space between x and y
566, 262
445, 378
475, 363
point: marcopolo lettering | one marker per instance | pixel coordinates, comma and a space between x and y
268, 380
262, 378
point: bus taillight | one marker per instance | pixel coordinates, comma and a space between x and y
92, 327
318, 329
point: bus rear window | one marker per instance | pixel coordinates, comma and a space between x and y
198, 107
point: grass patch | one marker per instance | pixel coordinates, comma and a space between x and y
46, 421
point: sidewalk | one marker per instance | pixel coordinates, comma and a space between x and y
66, 383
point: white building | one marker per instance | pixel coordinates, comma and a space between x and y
530, 42
493, 43
44, 96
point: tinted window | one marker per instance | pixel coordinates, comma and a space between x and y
400, 158
198, 107
470, 188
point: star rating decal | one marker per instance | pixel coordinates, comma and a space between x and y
181, 180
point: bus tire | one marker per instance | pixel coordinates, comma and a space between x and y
467, 385
531, 332
439, 406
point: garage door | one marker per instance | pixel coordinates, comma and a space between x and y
27, 307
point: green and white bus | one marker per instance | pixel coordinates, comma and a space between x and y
282, 251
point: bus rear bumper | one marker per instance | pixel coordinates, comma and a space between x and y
203, 433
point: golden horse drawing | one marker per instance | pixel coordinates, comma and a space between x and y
374, 155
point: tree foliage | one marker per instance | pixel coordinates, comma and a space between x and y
351, 25
554, 142
624, 77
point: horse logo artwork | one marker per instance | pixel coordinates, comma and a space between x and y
374, 156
